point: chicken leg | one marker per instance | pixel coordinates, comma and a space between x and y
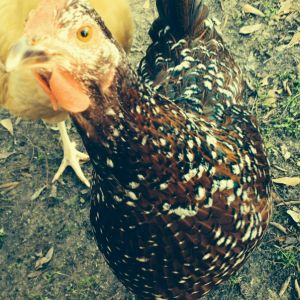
72, 156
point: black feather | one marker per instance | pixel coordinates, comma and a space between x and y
182, 16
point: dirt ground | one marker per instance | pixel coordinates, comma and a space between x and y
36, 216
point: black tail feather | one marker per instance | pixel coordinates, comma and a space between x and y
183, 16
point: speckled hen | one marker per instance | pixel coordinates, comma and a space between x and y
181, 187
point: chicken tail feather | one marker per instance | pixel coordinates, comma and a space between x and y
183, 16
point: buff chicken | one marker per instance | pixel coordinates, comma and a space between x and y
181, 185
22, 96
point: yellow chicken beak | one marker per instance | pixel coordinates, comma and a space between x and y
23, 54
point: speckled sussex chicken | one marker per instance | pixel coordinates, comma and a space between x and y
19, 92
181, 187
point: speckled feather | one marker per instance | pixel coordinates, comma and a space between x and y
181, 188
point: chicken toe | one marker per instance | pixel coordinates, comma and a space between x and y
72, 156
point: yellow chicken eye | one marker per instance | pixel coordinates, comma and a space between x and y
85, 33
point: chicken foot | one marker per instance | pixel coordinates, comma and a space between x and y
72, 156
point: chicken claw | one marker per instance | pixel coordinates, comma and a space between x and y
72, 156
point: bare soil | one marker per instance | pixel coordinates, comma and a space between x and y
34, 220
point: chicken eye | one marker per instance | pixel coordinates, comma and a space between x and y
85, 33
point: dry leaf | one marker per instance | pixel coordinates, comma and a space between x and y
18, 121
2, 232
281, 48
294, 215
38, 193
250, 29
297, 288
9, 185
247, 8
271, 99
286, 8
44, 260
279, 227
7, 124
265, 81
26, 175
34, 274
293, 42
286, 87
285, 152
53, 192
292, 181
284, 286
6, 155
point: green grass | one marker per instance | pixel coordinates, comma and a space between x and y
40, 155
37, 296
86, 284
288, 119
285, 120
269, 7
288, 258
235, 279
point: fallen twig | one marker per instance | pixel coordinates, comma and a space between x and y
294, 202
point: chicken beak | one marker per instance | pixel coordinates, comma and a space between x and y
23, 54
63, 88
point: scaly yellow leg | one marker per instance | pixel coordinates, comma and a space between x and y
72, 156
